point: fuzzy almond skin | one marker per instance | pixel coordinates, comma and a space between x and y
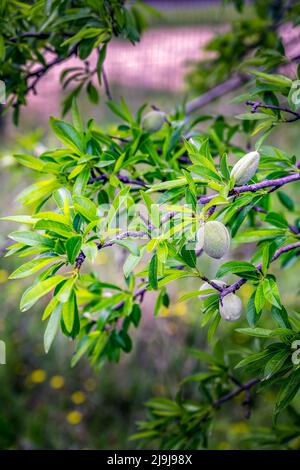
214, 238
153, 121
231, 308
245, 168
206, 286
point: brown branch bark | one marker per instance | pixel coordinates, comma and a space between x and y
241, 388
222, 89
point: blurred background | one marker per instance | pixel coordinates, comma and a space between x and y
44, 403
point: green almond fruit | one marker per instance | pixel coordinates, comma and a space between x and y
245, 168
153, 121
207, 286
214, 238
230, 308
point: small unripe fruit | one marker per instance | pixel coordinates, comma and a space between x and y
231, 307
153, 121
214, 238
207, 286
245, 168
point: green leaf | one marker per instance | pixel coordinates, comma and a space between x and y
85, 207
81, 181
264, 332
67, 134
52, 328
54, 217
73, 246
120, 110
213, 326
65, 291
271, 293
2, 48
235, 267
129, 245
120, 199
68, 312
200, 377
34, 293
174, 276
286, 201
172, 184
32, 267
281, 317
275, 364
92, 93
22, 219
153, 272
275, 79
52, 226
159, 302
251, 313
49, 309
288, 391
224, 167
259, 298
276, 219
77, 121
259, 332
194, 293
253, 116
84, 33
30, 238
131, 262
189, 256
255, 359
257, 235
84, 346
30, 162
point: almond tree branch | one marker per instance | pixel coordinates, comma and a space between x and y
258, 104
39, 73
128, 234
275, 183
124, 179
222, 89
238, 284
106, 85
241, 388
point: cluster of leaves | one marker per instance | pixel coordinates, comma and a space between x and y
95, 179
273, 99
36, 36
252, 41
184, 423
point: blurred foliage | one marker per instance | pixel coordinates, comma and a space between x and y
253, 40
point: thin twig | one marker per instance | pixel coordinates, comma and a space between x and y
275, 183
106, 85
122, 178
241, 388
39, 73
258, 104
238, 284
